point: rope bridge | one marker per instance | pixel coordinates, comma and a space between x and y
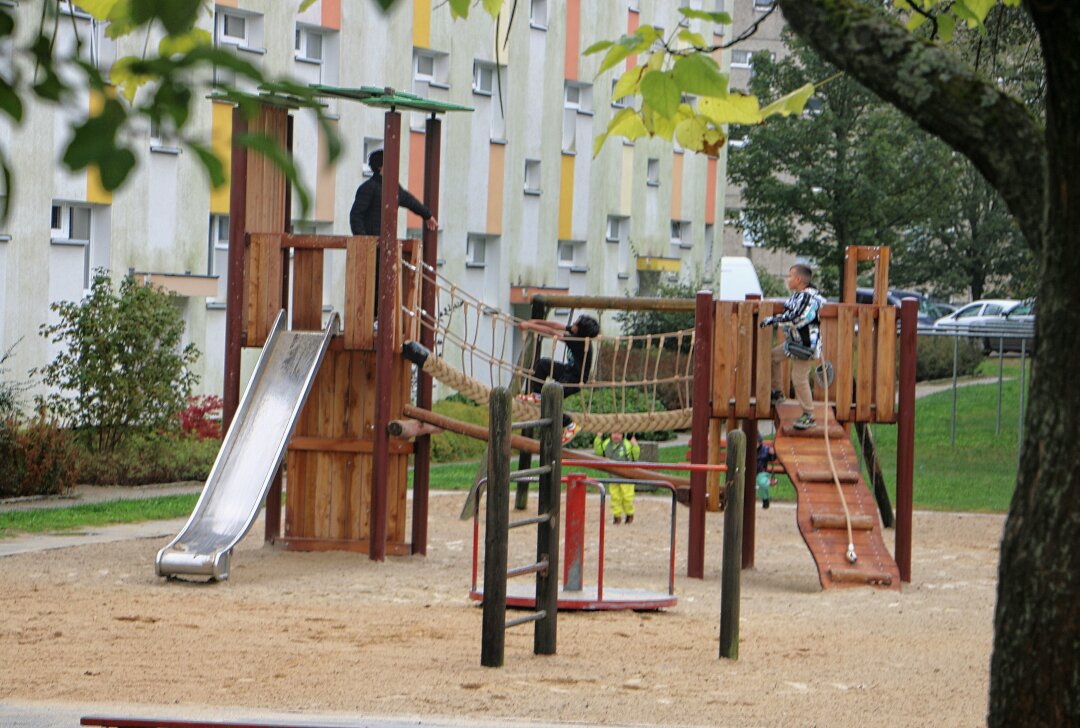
478, 347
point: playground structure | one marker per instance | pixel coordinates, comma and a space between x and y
348, 476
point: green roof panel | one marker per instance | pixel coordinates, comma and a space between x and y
387, 97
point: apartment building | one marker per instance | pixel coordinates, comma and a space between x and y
525, 206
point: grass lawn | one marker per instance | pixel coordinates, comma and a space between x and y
42, 520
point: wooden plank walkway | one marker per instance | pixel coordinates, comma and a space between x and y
820, 512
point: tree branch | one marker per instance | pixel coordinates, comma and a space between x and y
944, 96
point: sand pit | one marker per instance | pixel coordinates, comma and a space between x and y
327, 632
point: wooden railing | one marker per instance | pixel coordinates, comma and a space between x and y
859, 340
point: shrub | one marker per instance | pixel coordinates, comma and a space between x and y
36, 458
202, 417
934, 357
121, 368
143, 458
9, 391
450, 446
610, 401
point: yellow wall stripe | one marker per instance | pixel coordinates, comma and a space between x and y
566, 198
221, 144
669, 265
421, 29
95, 191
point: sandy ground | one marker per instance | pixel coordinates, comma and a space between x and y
326, 632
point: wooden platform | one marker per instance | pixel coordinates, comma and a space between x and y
820, 511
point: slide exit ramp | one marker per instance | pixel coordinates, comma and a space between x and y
250, 454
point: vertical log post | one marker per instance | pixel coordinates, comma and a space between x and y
749, 497
422, 446
730, 578
234, 296
905, 436
699, 448
496, 533
547, 537
389, 279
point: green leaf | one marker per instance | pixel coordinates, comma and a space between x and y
210, 162
306, 4
100, 9
719, 18
792, 103
493, 7
116, 167
661, 92
619, 51
628, 83
178, 16
693, 39
732, 109
10, 103
627, 123
459, 8
597, 145
7, 22
597, 47
946, 27
700, 75
182, 43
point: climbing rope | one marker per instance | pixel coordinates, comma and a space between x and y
822, 377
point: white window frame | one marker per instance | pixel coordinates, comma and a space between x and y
532, 176
741, 58
680, 233
761, 6
538, 14
62, 232
652, 172
303, 44
225, 37
371, 144
564, 248
424, 76
476, 250
571, 89
481, 70
613, 232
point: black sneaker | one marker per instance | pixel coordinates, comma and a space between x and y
805, 422
776, 397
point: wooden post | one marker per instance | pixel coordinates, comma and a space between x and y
699, 448
385, 368
496, 533
547, 537
521, 500
905, 436
730, 578
749, 497
422, 447
234, 296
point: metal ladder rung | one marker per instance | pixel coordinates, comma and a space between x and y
531, 617
544, 518
539, 566
529, 472
527, 424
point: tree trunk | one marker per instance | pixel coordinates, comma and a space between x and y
1035, 667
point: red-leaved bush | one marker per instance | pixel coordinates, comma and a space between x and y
202, 417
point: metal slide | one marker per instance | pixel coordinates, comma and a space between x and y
251, 453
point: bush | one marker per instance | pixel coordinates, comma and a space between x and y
9, 391
150, 458
121, 368
450, 446
934, 358
202, 417
610, 401
36, 458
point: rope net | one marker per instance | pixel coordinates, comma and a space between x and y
628, 383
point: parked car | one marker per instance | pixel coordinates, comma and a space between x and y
974, 314
927, 309
1015, 326
944, 309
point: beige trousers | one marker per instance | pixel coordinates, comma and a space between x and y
800, 377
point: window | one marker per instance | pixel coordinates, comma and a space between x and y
566, 253
572, 96
532, 176
740, 58
538, 14
217, 251
969, 311
309, 44
680, 233
483, 78
749, 234
622, 103
475, 251
233, 29
71, 225
738, 142
615, 227
763, 5
652, 173
424, 67
658, 44
634, 6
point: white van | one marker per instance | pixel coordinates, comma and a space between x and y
738, 278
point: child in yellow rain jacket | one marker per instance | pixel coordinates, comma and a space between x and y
622, 494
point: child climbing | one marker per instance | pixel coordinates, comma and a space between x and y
573, 373
622, 494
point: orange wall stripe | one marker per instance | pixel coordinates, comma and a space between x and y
496, 179
710, 191
632, 22
416, 173
227, 3
331, 14
573, 38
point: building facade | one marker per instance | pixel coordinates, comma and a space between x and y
525, 206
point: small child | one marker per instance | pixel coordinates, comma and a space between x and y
622, 494
765, 455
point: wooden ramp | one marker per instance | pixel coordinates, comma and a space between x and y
820, 511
